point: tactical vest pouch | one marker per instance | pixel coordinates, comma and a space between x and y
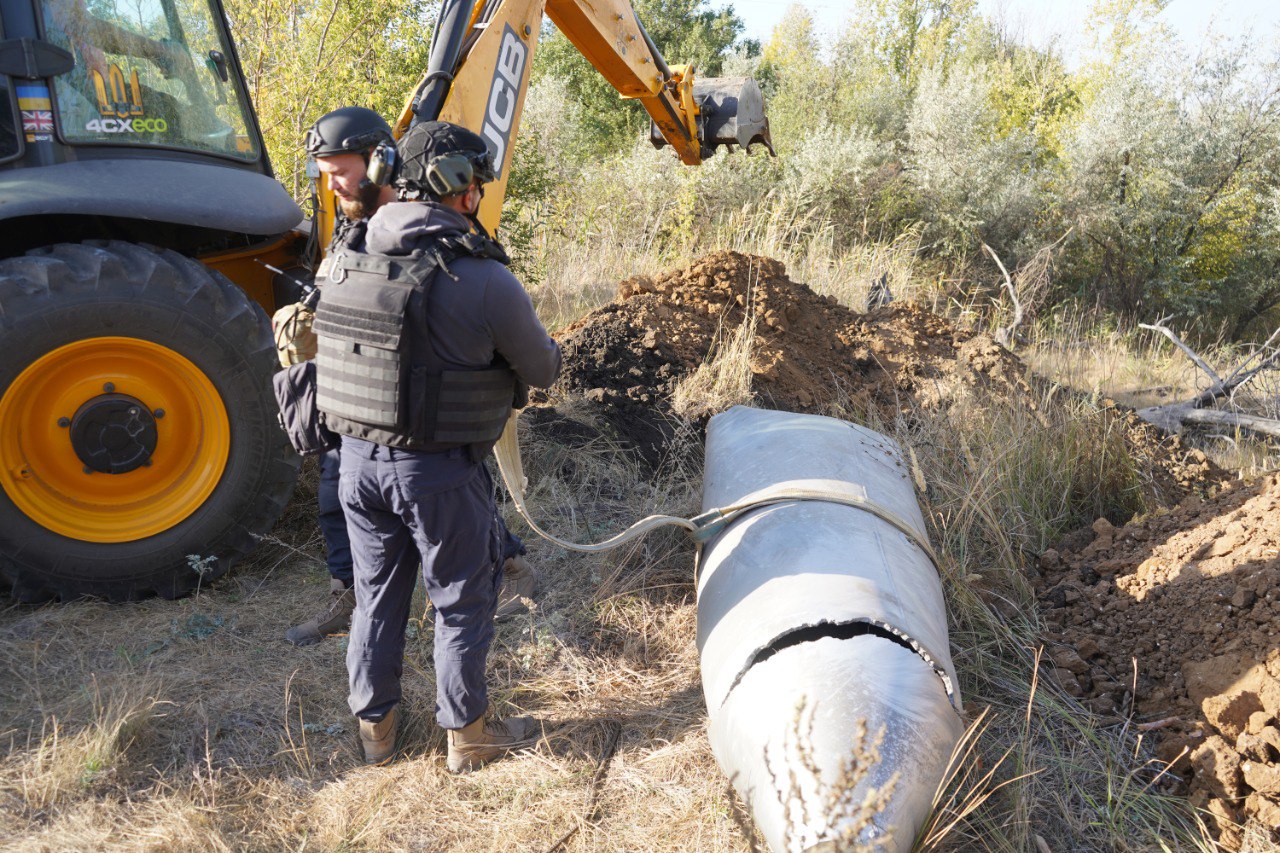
295, 389
362, 359
473, 405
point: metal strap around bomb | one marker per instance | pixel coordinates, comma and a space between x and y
701, 527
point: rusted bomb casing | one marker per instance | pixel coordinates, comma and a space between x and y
814, 618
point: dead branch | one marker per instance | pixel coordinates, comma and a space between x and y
1171, 417
1005, 335
1159, 326
1158, 724
1253, 423
1266, 362
1032, 279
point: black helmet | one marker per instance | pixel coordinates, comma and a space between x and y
439, 159
347, 130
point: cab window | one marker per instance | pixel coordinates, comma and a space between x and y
9, 146
148, 72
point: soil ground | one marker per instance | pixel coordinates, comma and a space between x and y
1172, 621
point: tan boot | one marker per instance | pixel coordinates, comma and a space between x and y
333, 621
379, 739
476, 744
519, 581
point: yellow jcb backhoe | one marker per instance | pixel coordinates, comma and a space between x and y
140, 225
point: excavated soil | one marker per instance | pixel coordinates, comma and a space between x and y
808, 354
1173, 620
1173, 470
808, 351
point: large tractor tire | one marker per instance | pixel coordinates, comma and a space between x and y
140, 452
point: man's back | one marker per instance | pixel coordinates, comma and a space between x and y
477, 307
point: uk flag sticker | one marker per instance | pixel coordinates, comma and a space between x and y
37, 121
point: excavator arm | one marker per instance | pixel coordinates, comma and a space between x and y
478, 76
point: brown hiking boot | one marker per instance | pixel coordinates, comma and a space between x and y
334, 620
519, 581
476, 744
378, 740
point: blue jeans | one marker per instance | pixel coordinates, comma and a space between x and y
333, 522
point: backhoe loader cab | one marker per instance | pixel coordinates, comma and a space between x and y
139, 449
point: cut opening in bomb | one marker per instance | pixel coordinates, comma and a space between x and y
834, 630
845, 631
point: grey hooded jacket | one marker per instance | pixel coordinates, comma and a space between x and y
476, 310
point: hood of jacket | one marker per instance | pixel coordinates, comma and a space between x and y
400, 227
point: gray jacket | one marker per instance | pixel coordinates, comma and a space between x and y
481, 309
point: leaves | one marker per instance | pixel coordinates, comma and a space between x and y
302, 59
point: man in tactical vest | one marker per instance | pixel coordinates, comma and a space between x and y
425, 342
344, 144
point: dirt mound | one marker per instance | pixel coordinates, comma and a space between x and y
1173, 470
808, 353
1193, 596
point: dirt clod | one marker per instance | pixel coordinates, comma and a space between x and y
1185, 608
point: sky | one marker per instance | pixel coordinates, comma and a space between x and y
1041, 20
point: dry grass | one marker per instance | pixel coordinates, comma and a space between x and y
1133, 369
1142, 368
723, 380
193, 725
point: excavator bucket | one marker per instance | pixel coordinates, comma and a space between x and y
731, 113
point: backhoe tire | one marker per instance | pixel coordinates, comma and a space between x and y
140, 451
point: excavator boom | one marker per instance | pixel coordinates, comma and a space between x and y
482, 54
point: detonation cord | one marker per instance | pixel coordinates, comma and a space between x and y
700, 528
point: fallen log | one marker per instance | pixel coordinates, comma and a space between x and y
1266, 426
1172, 416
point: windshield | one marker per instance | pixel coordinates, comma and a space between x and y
148, 72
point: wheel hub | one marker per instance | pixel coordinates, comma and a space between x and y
113, 434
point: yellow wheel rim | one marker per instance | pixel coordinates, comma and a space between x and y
42, 473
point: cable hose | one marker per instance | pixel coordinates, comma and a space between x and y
701, 527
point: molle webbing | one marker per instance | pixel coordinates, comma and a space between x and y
360, 325
473, 405
378, 375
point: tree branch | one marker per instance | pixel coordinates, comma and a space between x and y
1171, 417
1159, 326
1266, 426
1005, 334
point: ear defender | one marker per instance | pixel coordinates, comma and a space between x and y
449, 174
382, 164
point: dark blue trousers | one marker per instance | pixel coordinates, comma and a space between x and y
333, 522
409, 511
